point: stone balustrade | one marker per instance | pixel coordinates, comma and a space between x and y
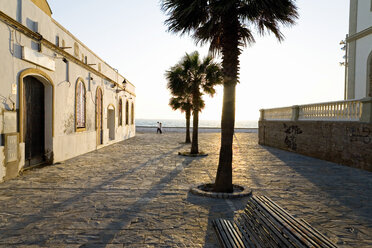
349, 110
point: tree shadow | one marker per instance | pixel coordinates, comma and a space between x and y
351, 187
217, 208
24, 222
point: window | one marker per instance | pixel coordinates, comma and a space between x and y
67, 69
127, 113
80, 105
132, 115
120, 115
76, 49
57, 41
370, 75
86, 60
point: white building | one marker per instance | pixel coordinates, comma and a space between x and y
359, 71
58, 98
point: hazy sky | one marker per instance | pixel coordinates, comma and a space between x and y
131, 36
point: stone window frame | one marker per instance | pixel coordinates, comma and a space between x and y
132, 114
76, 49
80, 105
369, 75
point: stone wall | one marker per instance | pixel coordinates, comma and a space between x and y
348, 143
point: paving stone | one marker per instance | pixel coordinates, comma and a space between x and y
135, 194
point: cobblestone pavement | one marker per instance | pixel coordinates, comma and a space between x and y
135, 194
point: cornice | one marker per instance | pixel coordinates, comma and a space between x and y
38, 37
359, 35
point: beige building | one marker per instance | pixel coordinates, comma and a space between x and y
58, 98
359, 66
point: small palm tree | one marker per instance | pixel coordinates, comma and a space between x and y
181, 99
184, 104
194, 77
226, 25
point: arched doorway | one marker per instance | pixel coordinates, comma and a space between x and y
99, 116
34, 121
111, 121
36, 116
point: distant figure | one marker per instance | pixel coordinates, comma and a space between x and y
159, 128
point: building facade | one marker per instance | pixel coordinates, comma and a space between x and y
58, 98
359, 66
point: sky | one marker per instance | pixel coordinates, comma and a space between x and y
132, 37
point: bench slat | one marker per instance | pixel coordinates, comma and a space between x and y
263, 229
305, 233
238, 239
284, 228
277, 234
314, 234
221, 234
264, 224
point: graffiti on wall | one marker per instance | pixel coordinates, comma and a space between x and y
361, 134
291, 133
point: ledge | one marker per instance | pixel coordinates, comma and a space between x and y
239, 192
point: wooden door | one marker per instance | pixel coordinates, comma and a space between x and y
34, 121
99, 117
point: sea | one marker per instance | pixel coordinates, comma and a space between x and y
202, 123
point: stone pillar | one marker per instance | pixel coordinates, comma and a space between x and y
366, 110
295, 112
262, 113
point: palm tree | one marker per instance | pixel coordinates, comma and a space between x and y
194, 77
227, 25
184, 104
181, 99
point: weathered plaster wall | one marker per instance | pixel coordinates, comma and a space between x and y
364, 15
348, 143
66, 142
363, 51
2, 166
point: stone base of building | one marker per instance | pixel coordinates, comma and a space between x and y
347, 143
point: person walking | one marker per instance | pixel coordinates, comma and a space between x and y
160, 127
158, 130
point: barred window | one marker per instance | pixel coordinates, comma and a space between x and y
80, 105
120, 116
127, 113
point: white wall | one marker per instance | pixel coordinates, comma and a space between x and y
364, 15
66, 142
364, 48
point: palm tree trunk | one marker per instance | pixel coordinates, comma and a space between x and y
223, 181
188, 115
230, 65
195, 124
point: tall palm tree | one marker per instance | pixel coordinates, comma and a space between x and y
195, 77
227, 25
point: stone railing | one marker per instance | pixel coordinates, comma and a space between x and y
277, 114
350, 110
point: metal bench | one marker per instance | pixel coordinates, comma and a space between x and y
265, 224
